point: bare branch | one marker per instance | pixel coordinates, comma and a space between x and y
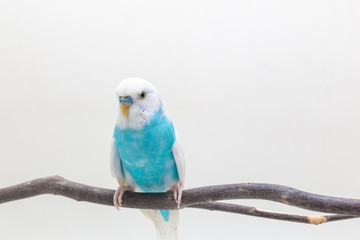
252, 211
203, 198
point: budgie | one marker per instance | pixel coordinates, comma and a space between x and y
146, 153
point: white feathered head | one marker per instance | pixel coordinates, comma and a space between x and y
138, 101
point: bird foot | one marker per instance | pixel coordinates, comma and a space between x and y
119, 193
177, 194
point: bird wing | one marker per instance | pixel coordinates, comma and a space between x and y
179, 157
115, 164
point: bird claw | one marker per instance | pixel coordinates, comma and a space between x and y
119, 193
177, 194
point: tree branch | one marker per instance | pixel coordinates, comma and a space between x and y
252, 211
203, 198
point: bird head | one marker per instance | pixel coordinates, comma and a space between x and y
138, 101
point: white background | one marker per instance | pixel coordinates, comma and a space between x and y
260, 91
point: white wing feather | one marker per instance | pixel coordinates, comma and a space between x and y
115, 164
179, 157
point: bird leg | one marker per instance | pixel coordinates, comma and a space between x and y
119, 193
177, 194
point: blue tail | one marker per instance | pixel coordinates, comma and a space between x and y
166, 222
165, 214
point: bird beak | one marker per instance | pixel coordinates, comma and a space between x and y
125, 109
126, 102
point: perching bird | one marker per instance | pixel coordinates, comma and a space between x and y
146, 153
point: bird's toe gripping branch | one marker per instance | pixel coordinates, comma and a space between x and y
177, 194
119, 193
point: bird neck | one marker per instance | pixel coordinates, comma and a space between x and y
142, 119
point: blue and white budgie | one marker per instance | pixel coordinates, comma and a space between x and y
146, 153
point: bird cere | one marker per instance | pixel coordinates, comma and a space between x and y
146, 153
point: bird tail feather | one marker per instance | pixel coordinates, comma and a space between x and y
165, 223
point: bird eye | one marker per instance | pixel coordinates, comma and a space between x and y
142, 95
119, 98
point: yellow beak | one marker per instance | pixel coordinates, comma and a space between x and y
125, 109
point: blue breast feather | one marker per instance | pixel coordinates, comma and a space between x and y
146, 154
